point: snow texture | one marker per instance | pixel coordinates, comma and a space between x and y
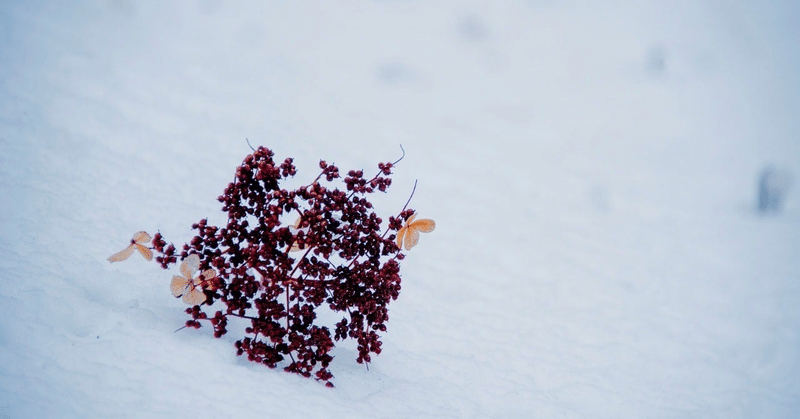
592, 168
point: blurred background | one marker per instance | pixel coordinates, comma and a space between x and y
615, 186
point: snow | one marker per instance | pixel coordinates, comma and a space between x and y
592, 168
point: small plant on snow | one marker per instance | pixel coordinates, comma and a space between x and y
278, 275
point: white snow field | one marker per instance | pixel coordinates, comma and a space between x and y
592, 167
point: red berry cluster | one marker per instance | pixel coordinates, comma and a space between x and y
285, 253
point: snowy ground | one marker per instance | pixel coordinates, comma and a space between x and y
591, 167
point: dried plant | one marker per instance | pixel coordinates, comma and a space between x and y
137, 243
278, 276
410, 231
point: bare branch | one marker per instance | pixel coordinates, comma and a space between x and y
401, 157
409, 198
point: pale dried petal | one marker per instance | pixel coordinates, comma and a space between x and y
194, 297
142, 237
179, 285
412, 238
145, 252
190, 265
208, 274
400, 234
423, 226
122, 255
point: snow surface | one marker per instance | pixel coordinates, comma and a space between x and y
592, 168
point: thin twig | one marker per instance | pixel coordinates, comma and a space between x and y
401, 157
409, 198
248, 143
242, 316
404, 208
288, 316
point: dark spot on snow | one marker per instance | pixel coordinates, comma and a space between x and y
394, 73
472, 29
655, 61
773, 185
